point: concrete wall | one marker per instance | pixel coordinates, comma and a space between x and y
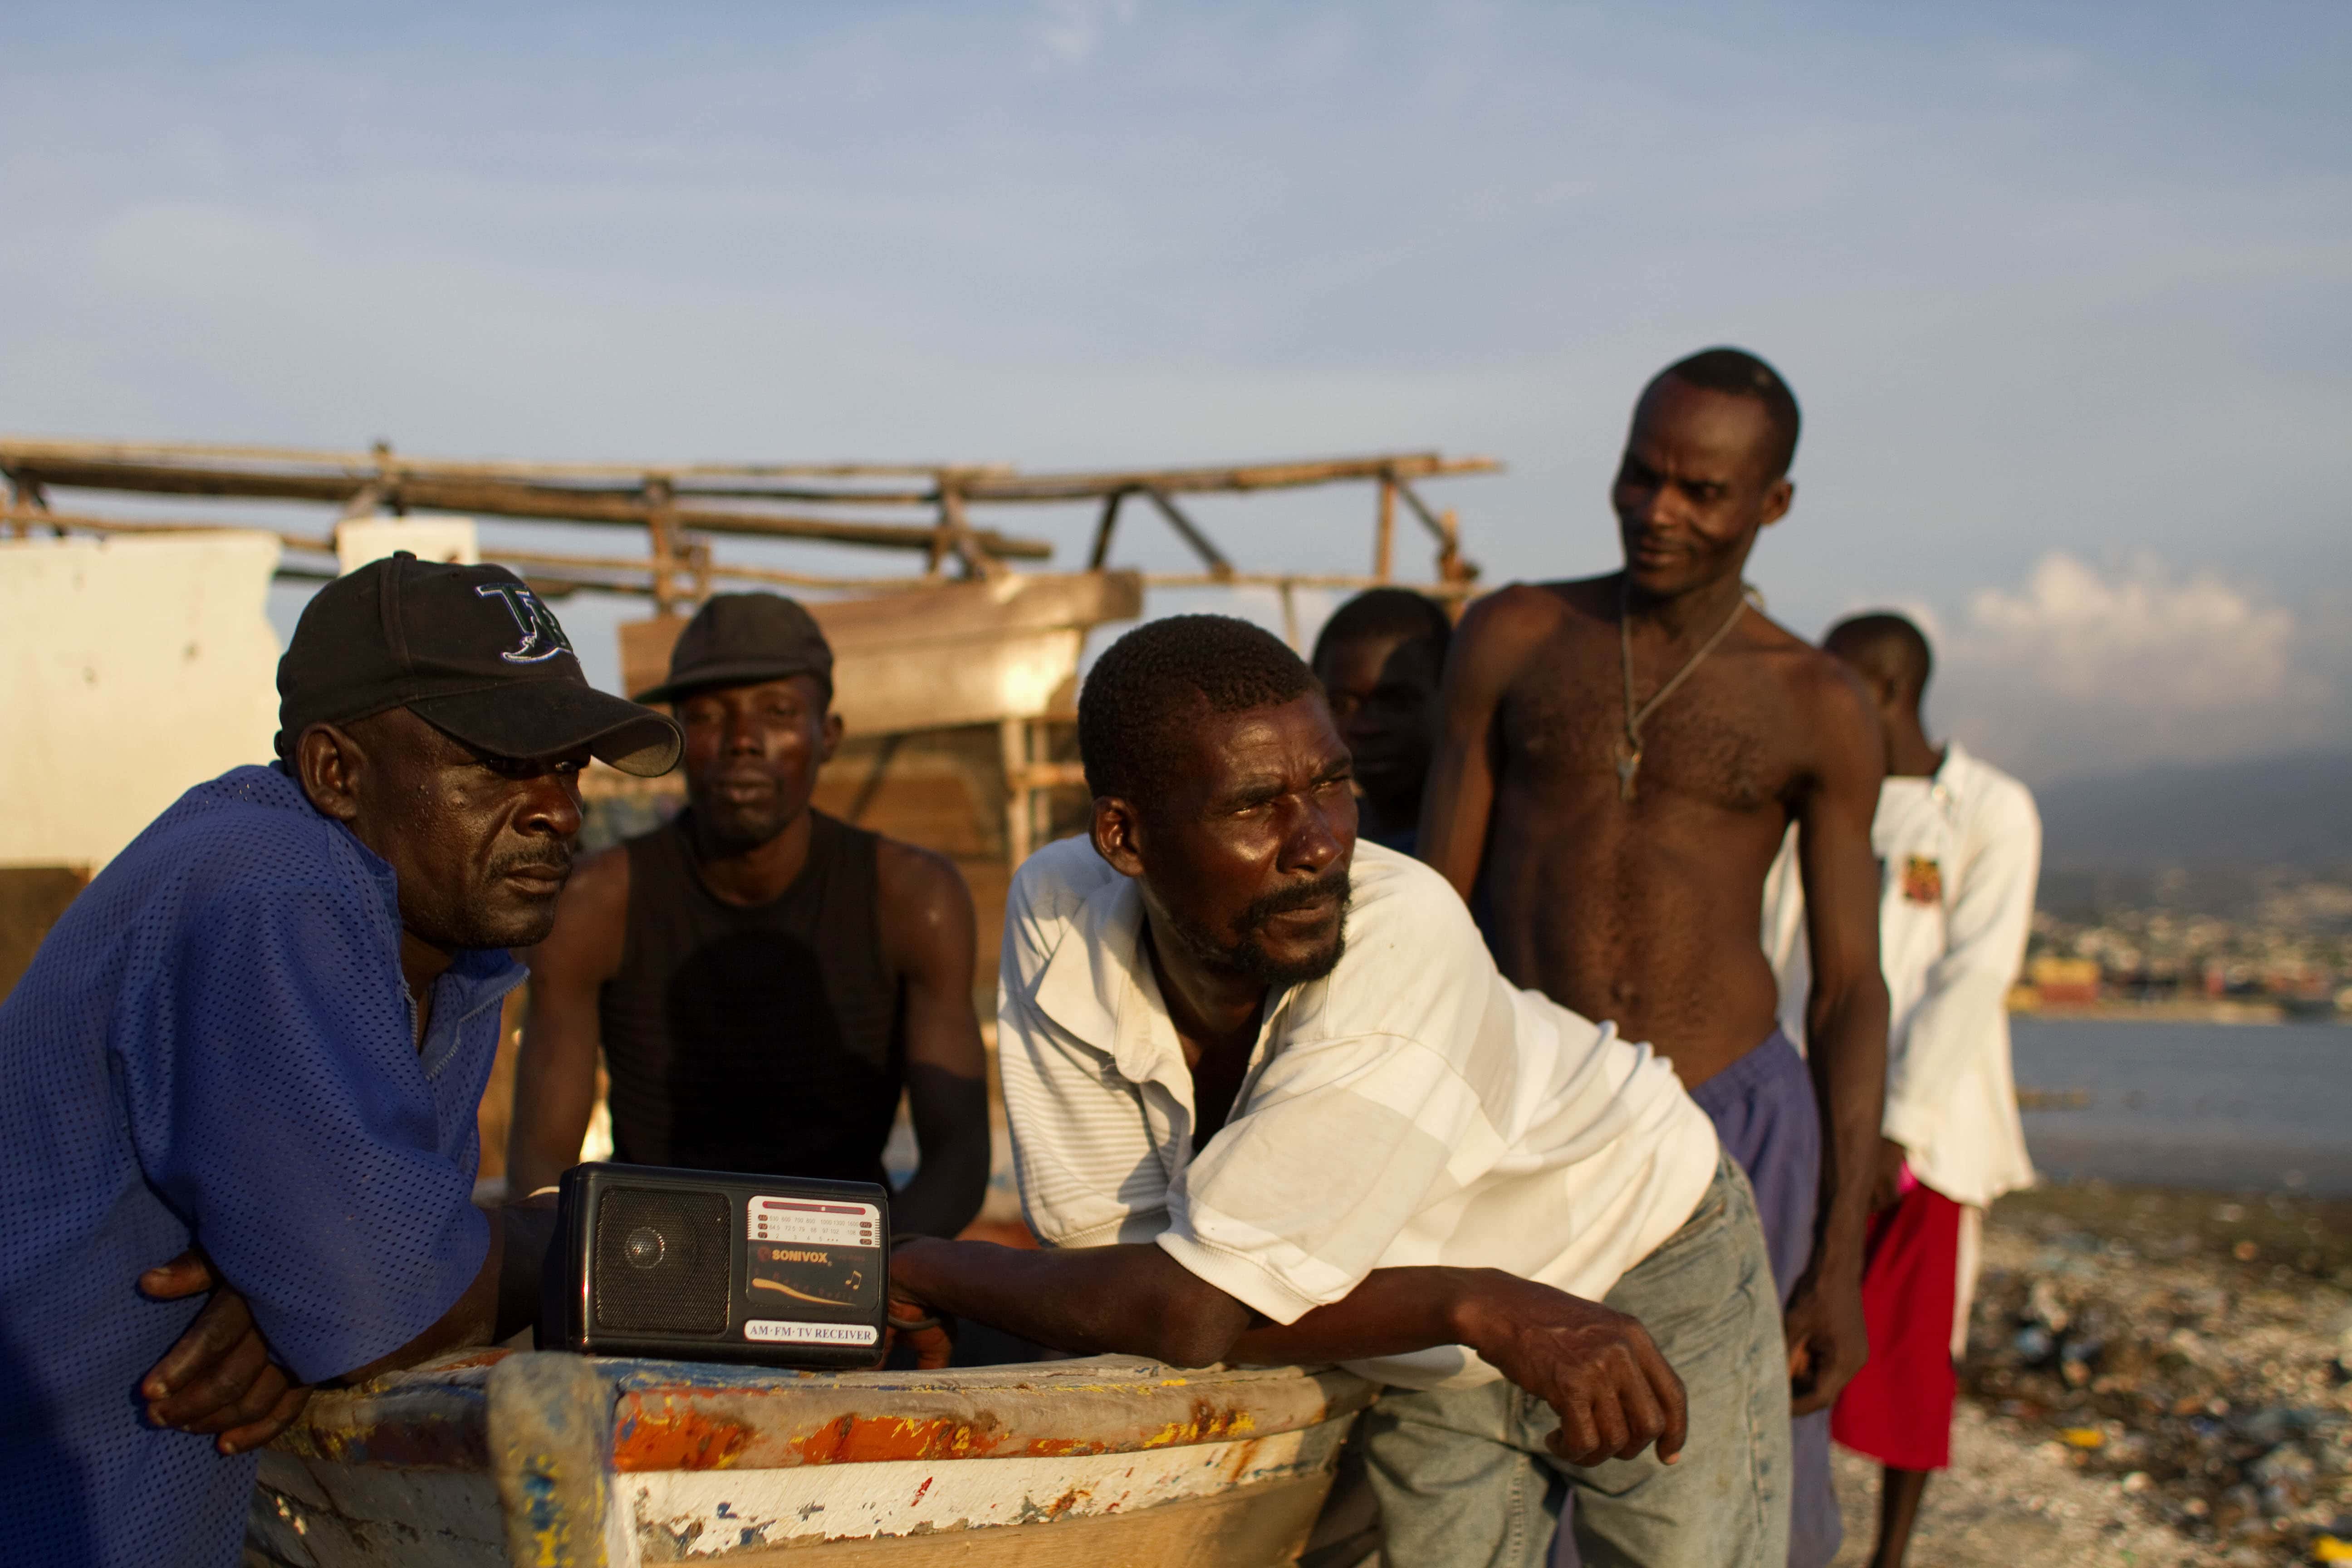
130, 670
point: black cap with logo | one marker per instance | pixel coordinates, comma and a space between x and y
468, 649
739, 639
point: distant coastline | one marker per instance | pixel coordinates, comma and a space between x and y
2180, 1010
2174, 1010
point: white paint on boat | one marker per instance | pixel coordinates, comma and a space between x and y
708, 1514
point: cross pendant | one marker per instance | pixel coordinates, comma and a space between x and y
1629, 761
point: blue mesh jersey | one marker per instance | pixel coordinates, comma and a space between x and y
214, 1045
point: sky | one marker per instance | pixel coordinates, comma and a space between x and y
2065, 291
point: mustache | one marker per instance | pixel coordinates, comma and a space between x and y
557, 860
1332, 886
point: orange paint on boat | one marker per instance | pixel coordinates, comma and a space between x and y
677, 1438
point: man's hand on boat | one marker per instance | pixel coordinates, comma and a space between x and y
1614, 1394
921, 1330
1595, 1366
218, 1379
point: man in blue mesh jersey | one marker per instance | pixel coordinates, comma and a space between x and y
248, 1059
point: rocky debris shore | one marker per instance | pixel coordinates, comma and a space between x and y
2152, 1376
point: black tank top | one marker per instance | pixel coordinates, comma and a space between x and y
766, 1038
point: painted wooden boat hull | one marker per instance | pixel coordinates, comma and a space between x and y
487, 1459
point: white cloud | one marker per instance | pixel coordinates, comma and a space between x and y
2084, 670
2140, 639
1068, 32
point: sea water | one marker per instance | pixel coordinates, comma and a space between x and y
2219, 1106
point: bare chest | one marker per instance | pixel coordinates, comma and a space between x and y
1728, 737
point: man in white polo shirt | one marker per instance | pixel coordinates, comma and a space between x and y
1272, 1101
1959, 847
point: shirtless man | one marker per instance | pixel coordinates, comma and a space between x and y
762, 980
1620, 759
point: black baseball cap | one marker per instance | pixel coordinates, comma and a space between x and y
468, 649
738, 639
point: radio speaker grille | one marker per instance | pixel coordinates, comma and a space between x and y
662, 1261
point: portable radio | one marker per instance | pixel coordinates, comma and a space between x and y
714, 1265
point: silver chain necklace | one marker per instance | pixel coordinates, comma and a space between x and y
1629, 755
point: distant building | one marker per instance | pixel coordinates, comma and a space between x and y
2056, 981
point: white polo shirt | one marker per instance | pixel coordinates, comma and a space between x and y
1958, 854
1411, 1108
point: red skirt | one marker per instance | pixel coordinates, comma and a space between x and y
1899, 1408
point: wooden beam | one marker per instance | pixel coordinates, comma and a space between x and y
87, 524
1219, 567
363, 502
825, 496
1100, 554
1020, 802
661, 527
25, 500
361, 465
577, 571
325, 475
1421, 509
954, 537
1384, 531
1278, 580
1231, 477
500, 497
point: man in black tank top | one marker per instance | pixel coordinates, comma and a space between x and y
762, 979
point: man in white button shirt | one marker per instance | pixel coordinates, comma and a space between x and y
1272, 1101
1959, 845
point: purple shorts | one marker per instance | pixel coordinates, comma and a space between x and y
1764, 1111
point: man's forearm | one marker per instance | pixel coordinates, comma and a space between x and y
1132, 1298
1394, 1311
950, 1117
1847, 1035
553, 1104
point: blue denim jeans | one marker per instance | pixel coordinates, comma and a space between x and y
1464, 1480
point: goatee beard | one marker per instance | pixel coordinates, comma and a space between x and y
1247, 955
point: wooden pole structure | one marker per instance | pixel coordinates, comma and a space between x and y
1421, 509
25, 503
404, 492
1219, 567
26, 516
1100, 554
661, 523
1239, 477
1446, 528
1277, 579
682, 506
1020, 820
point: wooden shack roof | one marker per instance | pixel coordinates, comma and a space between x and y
911, 507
